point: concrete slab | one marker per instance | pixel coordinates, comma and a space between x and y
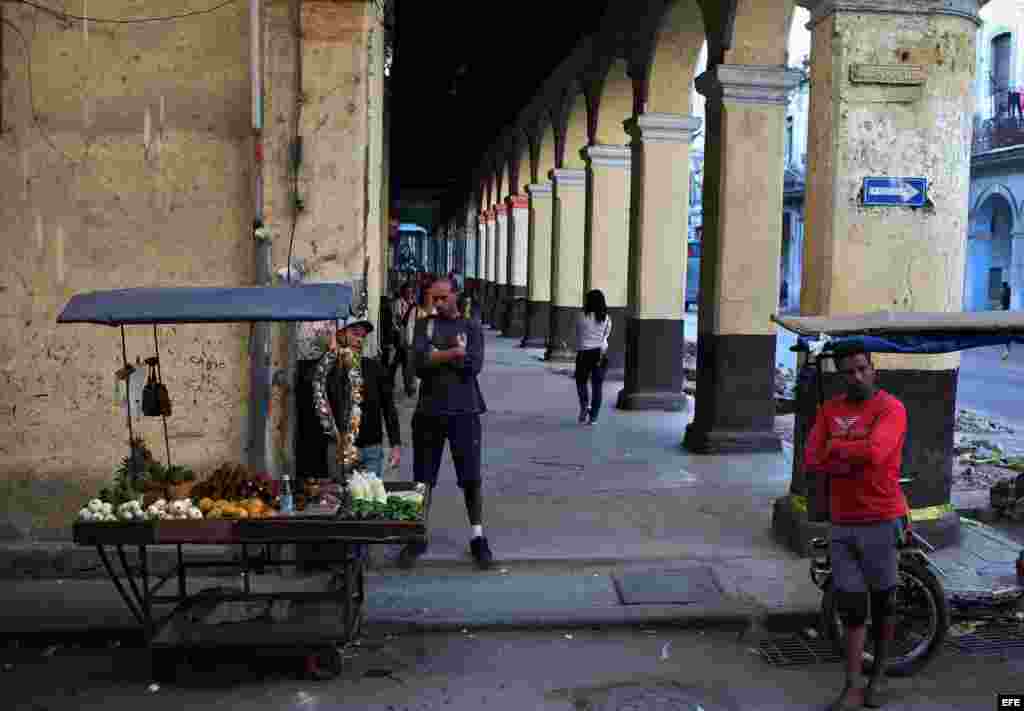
667, 586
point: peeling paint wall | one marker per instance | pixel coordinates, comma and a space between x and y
139, 172
135, 173
865, 258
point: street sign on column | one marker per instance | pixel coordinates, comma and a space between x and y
911, 192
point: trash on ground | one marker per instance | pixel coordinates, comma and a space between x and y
664, 650
964, 628
811, 633
568, 636
153, 688
49, 651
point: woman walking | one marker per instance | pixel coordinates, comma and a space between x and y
593, 327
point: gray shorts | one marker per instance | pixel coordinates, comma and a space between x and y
864, 556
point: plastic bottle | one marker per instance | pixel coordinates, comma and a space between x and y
287, 502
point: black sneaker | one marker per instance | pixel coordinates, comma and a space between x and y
409, 553
481, 553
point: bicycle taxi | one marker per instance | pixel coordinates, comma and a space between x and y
938, 589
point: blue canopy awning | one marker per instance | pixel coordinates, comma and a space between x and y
300, 302
909, 332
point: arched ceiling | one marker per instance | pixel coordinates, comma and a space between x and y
462, 72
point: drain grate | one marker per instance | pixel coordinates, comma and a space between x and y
795, 651
1007, 640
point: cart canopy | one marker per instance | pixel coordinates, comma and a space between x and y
301, 302
909, 332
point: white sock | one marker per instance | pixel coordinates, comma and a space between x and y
478, 531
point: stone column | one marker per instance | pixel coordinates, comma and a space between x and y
566, 262
891, 95
606, 240
659, 196
538, 267
742, 242
1017, 271
481, 261
500, 266
489, 268
518, 233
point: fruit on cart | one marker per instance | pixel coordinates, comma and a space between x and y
206, 505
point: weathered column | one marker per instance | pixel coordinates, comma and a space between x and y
489, 268
481, 261
606, 240
566, 261
659, 196
500, 265
740, 251
538, 266
518, 232
1017, 270
891, 95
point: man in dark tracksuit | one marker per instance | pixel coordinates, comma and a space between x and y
448, 353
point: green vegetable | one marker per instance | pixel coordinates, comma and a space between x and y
394, 510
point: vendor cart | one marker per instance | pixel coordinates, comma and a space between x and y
173, 622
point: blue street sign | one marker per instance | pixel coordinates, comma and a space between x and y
911, 192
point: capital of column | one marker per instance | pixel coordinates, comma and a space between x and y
609, 156
565, 177
539, 190
517, 202
748, 83
967, 9
661, 128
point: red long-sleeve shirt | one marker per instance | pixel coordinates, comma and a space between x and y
865, 456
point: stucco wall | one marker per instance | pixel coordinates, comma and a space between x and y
140, 173
135, 174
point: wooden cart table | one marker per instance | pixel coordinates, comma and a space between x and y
257, 540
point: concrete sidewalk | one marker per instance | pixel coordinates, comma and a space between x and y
569, 510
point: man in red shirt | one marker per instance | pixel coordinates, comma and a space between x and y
857, 440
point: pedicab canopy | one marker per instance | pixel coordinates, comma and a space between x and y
204, 304
907, 332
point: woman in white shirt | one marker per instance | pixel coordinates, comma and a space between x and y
592, 329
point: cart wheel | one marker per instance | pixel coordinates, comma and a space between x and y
324, 664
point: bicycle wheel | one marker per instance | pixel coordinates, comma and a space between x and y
922, 621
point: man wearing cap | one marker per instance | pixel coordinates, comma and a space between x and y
330, 397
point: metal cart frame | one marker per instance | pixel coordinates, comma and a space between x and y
260, 540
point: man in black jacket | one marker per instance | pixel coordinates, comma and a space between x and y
448, 352
331, 388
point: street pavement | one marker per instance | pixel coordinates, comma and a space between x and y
624, 669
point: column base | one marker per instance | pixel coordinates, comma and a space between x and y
538, 323
561, 345
515, 326
498, 307
661, 401
700, 441
654, 366
617, 340
736, 383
